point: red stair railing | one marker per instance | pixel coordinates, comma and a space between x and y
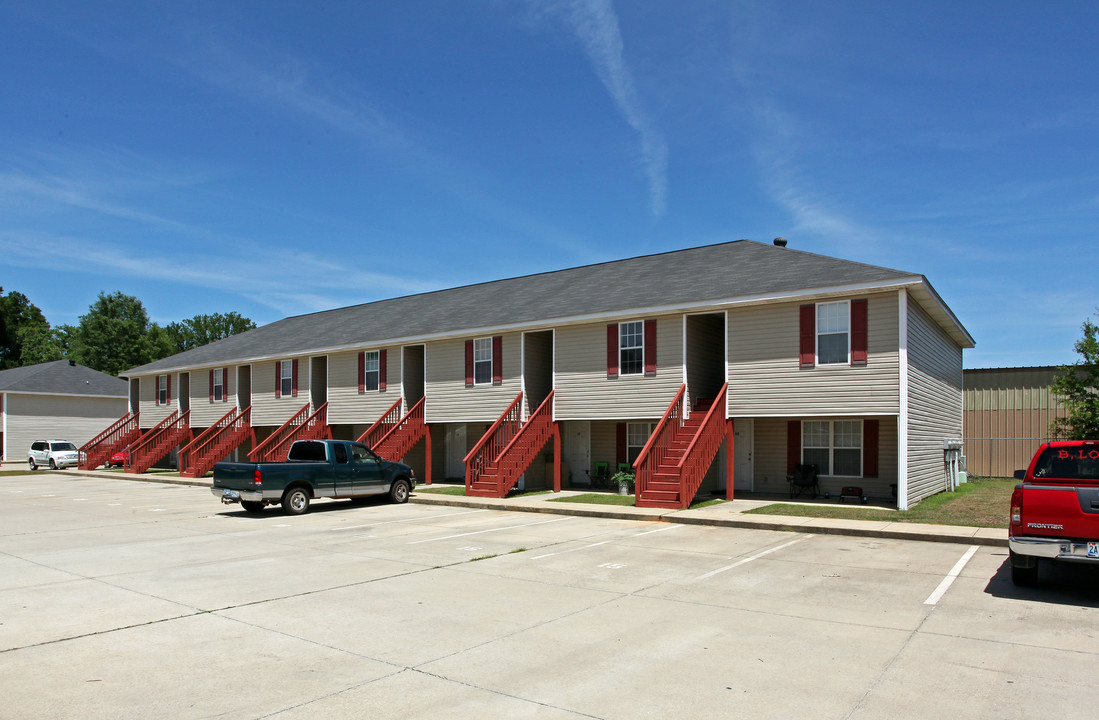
523, 449
300, 427
159, 441
656, 449
99, 449
490, 445
381, 427
215, 442
696, 461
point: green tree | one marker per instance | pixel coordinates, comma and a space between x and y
1078, 387
39, 344
205, 329
114, 335
21, 321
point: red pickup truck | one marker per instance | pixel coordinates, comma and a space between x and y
1055, 509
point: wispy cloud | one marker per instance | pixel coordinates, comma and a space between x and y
595, 25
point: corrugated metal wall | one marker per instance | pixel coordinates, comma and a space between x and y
1007, 415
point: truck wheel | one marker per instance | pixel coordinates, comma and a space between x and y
252, 506
295, 501
1024, 576
398, 493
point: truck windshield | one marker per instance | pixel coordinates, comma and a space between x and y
1069, 463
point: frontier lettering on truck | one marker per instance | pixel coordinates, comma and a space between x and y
1055, 509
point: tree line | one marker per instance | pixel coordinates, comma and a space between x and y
114, 335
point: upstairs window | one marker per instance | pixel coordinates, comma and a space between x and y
485, 361
833, 333
372, 370
482, 361
162, 393
631, 348
286, 378
218, 393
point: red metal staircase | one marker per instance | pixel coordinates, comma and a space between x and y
159, 441
215, 442
509, 447
392, 436
302, 426
673, 464
99, 449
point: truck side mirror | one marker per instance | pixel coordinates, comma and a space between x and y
1020, 474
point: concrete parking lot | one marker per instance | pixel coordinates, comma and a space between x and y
135, 600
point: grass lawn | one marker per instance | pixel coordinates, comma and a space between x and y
611, 499
978, 503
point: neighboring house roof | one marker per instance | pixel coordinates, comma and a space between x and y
714, 275
62, 377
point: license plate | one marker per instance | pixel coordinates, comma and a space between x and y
231, 494
1093, 549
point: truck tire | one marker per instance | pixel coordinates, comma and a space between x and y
31, 464
399, 491
1024, 576
295, 501
252, 506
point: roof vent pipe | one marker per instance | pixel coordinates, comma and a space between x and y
780, 242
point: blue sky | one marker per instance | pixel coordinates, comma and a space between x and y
279, 158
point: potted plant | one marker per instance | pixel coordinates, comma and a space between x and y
624, 481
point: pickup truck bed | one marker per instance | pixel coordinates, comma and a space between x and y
1055, 509
314, 469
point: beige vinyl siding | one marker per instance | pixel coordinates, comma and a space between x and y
765, 378
934, 402
583, 391
769, 456
604, 445
205, 413
55, 417
449, 400
271, 411
346, 405
151, 413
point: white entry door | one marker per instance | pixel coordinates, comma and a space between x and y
743, 467
456, 451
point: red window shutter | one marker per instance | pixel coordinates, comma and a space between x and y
620, 440
870, 448
382, 370
808, 346
156, 398
362, 372
225, 384
211, 386
498, 360
859, 324
469, 363
793, 445
278, 378
650, 348
294, 379
169, 389
612, 351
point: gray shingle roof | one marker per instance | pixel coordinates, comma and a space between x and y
61, 378
696, 276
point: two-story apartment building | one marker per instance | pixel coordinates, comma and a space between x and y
740, 359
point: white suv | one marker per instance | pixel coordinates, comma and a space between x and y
56, 454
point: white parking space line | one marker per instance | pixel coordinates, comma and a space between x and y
951, 576
757, 556
415, 519
585, 547
481, 532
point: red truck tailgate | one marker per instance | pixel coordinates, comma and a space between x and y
1056, 510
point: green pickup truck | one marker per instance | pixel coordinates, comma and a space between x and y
313, 469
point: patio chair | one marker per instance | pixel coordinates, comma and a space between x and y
804, 480
600, 475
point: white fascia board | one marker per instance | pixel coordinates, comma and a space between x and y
550, 323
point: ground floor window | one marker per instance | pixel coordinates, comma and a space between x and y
637, 434
834, 446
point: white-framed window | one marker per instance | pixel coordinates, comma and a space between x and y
482, 361
372, 370
637, 434
631, 348
286, 378
834, 446
162, 393
834, 333
219, 385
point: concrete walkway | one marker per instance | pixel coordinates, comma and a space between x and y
728, 514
